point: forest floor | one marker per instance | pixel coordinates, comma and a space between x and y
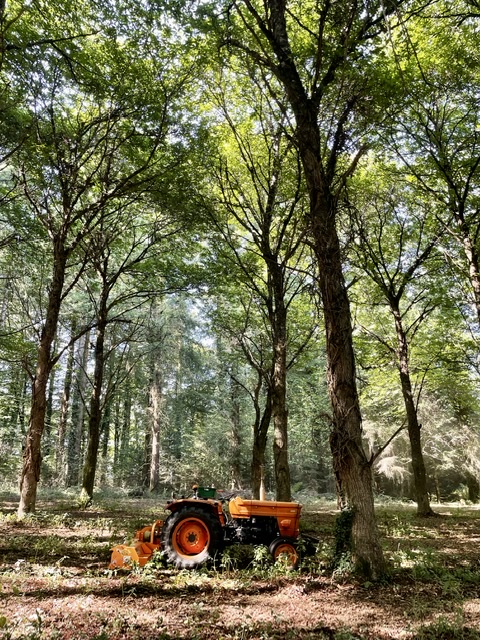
55, 584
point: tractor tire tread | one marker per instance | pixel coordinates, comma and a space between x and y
208, 554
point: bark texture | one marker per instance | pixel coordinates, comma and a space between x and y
471, 253
350, 463
32, 457
235, 437
94, 422
279, 401
260, 431
413, 425
156, 409
64, 408
74, 447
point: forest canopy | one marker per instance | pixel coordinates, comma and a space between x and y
239, 243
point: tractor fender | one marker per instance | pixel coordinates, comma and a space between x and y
209, 505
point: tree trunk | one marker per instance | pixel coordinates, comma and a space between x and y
279, 398
471, 254
258, 464
260, 431
105, 438
116, 443
156, 406
418, 464
147, 457
78, 411
47, 436
125, 433
90, 465
473, 487
62, 423
7, 290
30, 475
235, 461
350, 463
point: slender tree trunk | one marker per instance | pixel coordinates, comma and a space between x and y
3, 4
473, 260
47, 435
78, 411
235, 449
125, 433
418, 464
7, 291
116, 443
473, 487
438, 493
65, 405
105, 438
260, 431
279, 400
30, 475
258, 464
156, 406
90, 465
147, 457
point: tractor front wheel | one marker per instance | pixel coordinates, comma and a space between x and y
191, 537
284, 548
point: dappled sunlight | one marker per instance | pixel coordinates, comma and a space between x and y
56, 585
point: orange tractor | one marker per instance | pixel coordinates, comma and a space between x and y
198, 528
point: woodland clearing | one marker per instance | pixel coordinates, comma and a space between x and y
55, 584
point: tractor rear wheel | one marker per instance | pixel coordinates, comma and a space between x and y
283, 547
191, 537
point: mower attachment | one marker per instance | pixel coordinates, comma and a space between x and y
147, 541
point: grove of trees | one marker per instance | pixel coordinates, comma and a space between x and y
240, 242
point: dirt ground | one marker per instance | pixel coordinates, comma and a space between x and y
55, 583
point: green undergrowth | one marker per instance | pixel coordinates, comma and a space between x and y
444, 629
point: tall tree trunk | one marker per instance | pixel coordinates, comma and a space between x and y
350, 462
7, 291
156, 406
78, 411
47, 436
473, 261
235, 439
65, 405
116, 443
279, 400
105, 438
125, 432
147, 457
260, 431
414, 435
94, 421
30, 475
